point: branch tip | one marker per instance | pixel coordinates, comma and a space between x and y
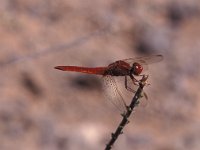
125, 115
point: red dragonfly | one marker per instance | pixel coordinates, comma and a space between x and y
131, 68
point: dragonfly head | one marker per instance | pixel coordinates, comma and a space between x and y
136, 69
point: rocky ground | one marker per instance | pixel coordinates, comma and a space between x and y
45, 109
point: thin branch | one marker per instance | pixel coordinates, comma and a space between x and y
57, 48
126, 115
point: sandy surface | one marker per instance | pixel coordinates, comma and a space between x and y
45, 109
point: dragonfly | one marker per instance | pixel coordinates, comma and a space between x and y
129, 69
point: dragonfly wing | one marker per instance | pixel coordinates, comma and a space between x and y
113, 93
145, 60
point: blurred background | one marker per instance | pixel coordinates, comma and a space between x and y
45, 109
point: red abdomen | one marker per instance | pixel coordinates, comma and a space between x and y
96, 70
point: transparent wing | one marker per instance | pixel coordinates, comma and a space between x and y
145, 59
113, 93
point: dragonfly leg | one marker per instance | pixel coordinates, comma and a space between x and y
135, 81
144, 78
127, 87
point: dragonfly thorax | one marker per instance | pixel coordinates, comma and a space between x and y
118, 68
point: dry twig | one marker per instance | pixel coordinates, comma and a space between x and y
126, 115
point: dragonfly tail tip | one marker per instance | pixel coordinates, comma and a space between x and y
58, 67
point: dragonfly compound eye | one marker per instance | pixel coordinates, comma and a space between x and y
137, 68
